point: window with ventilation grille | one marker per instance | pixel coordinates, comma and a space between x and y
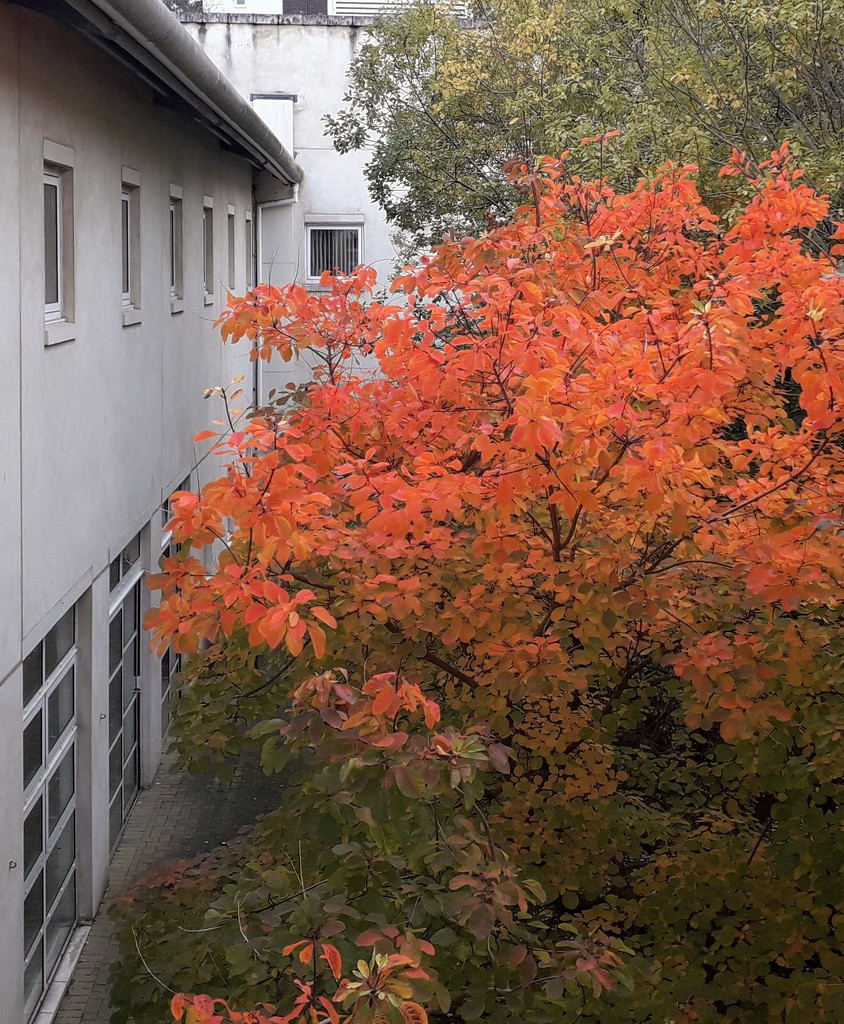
336, 249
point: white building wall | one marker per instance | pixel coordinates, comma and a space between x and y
97, 431
308, 61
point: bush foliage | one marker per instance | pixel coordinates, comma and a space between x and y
541, 621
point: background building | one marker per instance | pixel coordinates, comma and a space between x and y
127, 212
290, 61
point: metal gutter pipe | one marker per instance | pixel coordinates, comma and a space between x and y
157, 32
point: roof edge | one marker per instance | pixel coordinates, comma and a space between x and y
157, 31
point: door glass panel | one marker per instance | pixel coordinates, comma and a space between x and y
115, 820
33, 912
165, 672
33, 982
130, 730
115, 642
33, 674
33, 844
129, 681
61, 923
33, 753
58, 642
130, 611
60, 708
60, 789
132, 552
115, 705
130, 780
61, 860
115, 765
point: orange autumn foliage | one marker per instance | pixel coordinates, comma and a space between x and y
562, 526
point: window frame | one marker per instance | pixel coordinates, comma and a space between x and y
251, 255
37, 792
208, 249
130, 245
231, 233
176, 248
126, 247
338, 225
58, 162
54, 311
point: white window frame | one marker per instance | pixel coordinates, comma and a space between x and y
231, 233
338, 225
130, 572
250, 251
130, 205
54, 310
208, 249
126, 248
171, 660
37, 790
59, 317
176, 249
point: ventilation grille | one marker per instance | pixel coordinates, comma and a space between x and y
333, 249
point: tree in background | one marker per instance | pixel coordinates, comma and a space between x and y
445, 106
542, 624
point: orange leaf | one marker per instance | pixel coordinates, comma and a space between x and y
293, 947
332, 957
383, 701
413, 1013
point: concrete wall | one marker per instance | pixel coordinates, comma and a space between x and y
308, 61
96, 431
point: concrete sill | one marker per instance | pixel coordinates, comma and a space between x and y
209, 298
59, 331
49, 1007
177, 306
131, 316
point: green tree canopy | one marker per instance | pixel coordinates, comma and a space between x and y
445, 105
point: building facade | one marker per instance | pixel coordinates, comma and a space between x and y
129, 167
290, 60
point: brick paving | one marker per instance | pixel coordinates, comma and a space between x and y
180, 815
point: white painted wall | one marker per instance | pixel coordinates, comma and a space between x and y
96, 431
244, 6
309, 61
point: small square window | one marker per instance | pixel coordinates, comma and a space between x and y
333, 249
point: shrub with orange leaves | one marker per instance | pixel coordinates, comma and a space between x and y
542, 619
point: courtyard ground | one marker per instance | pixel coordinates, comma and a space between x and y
180, 815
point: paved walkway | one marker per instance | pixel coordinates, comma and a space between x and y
180, 815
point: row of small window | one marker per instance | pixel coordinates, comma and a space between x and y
58, 245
